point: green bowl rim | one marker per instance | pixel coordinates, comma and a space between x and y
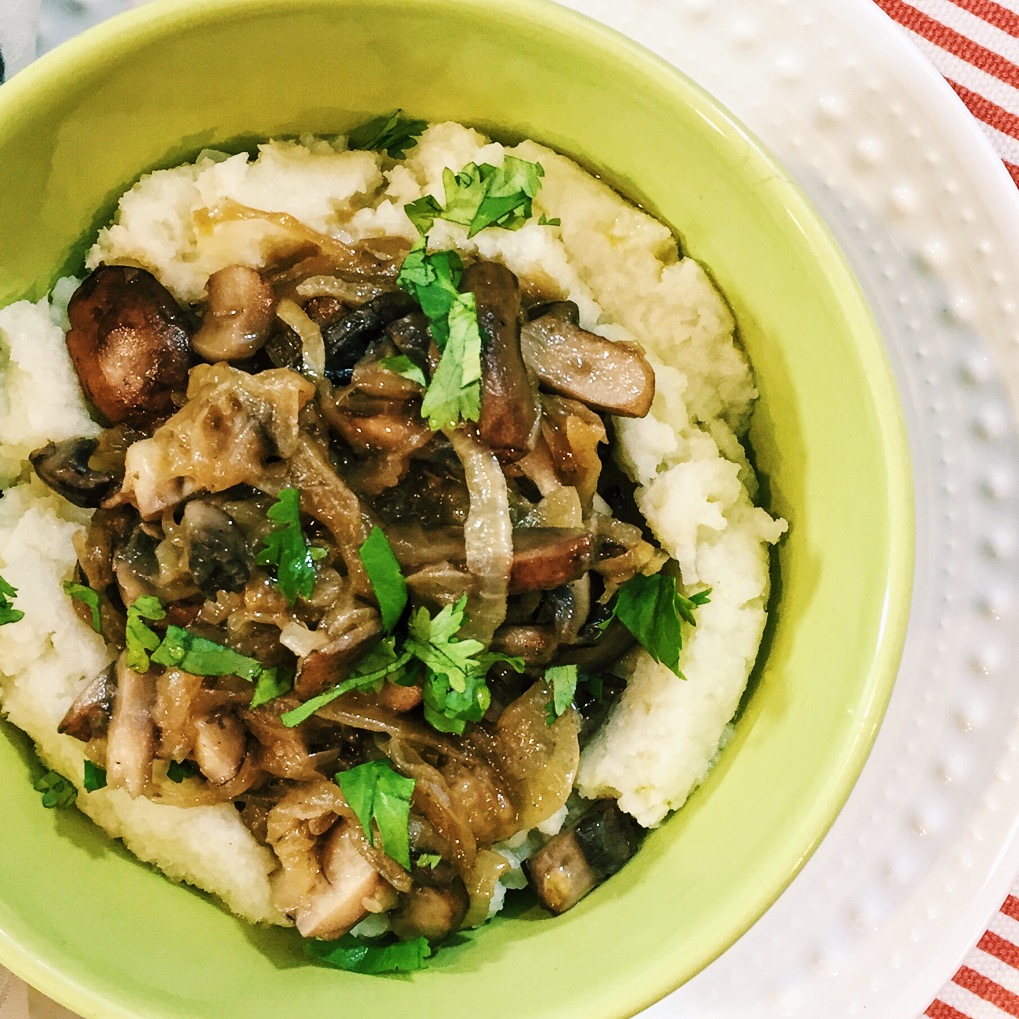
139, 25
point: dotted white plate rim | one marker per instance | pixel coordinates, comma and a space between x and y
928, 844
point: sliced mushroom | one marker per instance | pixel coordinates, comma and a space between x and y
176, 707
321, 668
348, 886
536, 645
89, 716
577, 860
218, 556
613, 377
509, 418
430, 912
64, 466
282, 751
570, 606
220, 743
598, 649
239, 315
410, 336
147, 564
400, 699
545, 558
131, 739
391, 427
347, 338
130, 344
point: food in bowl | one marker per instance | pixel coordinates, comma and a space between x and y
419, 460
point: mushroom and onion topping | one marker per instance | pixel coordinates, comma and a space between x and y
364, 564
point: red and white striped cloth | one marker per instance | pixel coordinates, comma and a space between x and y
975, 45
986, 986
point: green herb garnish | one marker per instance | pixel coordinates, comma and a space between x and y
454, 393
480, 196
391, 133
358, 955
563, 681
402, 365
93, 777
270, 684
652, 609
451, 672
380, 662
8, 613
477, 197
56, 790
429, 861
200, 656
453, 685
383, 569
377, 793
139, 638
181, 649
288, 550
79, 592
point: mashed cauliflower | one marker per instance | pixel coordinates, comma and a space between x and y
624, 272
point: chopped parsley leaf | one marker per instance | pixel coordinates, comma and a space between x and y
93, 777
481, 196
429, 861
453, 686
8, 613
563, 681
454, 393
270, 684
139, 638
652, 609
385, 575
56, 790
288, 550
359, 955
200, 656
402, 365
451, 672
377, 793
391, 133
477, 197
79, 592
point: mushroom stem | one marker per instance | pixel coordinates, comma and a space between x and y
609, 376
509, 418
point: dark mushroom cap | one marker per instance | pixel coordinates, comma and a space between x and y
64, 466
130, 343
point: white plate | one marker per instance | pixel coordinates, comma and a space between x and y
928, 845
926, 848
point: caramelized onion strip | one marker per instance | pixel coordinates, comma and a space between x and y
488, 535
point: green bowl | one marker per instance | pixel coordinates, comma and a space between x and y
108, 936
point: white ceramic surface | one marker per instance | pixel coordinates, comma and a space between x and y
928, 845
